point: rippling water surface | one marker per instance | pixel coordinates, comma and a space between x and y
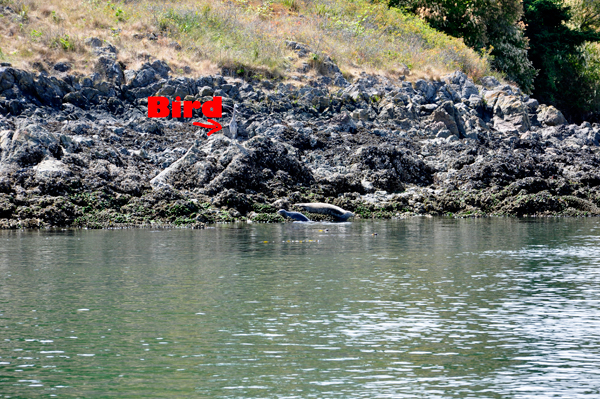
427, 308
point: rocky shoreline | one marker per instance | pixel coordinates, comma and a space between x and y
81, 152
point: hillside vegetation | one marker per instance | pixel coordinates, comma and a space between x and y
546, 46
243, 36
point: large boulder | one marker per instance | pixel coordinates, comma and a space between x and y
450, 117
28, 146
550, 116
110, 69
511, 113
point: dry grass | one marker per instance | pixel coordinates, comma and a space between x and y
244, 36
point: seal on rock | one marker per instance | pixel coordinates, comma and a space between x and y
338, 213
293, 215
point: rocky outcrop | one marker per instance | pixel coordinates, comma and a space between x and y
81, 151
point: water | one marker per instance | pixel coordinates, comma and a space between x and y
427, 308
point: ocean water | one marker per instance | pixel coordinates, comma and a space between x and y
413, 308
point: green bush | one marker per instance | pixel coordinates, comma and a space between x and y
64, 42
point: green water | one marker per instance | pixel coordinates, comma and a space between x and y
427, 308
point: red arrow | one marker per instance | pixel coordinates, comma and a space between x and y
213, 125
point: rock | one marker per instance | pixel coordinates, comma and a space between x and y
344, 122
532, 105
49, 90
110, 70
76, 98
550, 116
468, 90
161, 68
443, 133
302, 50
29, 145
339, 80
173, 89
94, 42
51, 168
297, 141
62, 67
490, 82
144, 77
426, 89
446, 114
361, 114
510, 110
205, 91
457, 78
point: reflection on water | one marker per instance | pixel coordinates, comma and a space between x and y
427, 308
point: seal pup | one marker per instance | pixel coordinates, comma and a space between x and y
338, 213
293, 215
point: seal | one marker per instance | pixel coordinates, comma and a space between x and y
338, 213
293, 215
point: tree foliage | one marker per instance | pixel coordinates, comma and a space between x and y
492, 25
553, 38
586, 14
558, 51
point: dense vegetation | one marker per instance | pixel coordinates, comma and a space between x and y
485, 25
546, 46
565, 76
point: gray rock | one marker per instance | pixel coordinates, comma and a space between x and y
206, 91
51, 168
469, 89
426, 89
76, 98
550, 116
108, 50
62, 67
489, 82
457, 78
441, 115
339, 80
173, 91
49, 91
443, 133
532, 105
161, 68
144, 78
511, 110
344, 122
28, 146
449, 116
110, 70
94, 42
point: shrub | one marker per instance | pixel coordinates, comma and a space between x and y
64, 42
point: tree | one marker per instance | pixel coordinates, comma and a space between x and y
586, 14
557, 51
483, 25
